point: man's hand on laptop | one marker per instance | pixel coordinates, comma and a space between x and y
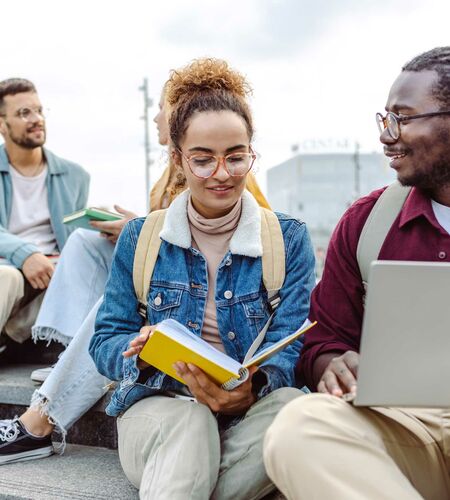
38, 269
339, 377
111, 230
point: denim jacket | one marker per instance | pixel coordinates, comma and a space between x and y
67, 187
180, 285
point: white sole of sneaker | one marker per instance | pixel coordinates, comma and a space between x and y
27, 455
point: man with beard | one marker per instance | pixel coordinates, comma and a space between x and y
37, 188
320, 446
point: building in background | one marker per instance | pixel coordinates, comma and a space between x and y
318, 188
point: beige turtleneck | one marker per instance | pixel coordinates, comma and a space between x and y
212, 238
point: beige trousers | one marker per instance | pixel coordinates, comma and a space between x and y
320, 447
19, 304
173, 449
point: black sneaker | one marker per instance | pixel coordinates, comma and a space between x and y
17, 444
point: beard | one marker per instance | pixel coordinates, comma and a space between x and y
435, 177
437, 174
24, 141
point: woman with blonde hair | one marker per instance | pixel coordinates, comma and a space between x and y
208, 276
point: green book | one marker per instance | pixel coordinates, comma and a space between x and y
81, 218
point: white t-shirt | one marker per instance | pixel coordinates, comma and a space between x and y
442, 214
30, 216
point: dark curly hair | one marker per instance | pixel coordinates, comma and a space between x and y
13, 86
206, 84
438, 60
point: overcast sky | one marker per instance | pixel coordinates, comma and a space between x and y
320, 69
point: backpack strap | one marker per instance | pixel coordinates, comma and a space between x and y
377, 226
273, 269
147, 250
273, 258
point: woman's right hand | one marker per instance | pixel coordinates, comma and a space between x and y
138, 343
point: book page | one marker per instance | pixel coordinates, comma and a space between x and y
266, 353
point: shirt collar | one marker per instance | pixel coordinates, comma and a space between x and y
54, 165
418, 204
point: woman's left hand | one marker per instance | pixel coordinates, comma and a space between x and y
218, 400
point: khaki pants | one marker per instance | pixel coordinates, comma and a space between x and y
173, 449
320, 447
19, 304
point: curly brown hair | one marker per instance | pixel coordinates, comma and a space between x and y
206, 84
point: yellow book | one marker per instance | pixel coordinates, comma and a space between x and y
172, 342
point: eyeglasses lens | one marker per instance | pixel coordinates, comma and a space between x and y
392, 125
237, 164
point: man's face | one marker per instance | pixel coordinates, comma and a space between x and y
421, 155
23, 123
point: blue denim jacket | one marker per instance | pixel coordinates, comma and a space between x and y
180, 282
67, 187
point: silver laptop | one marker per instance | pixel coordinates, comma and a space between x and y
405, 345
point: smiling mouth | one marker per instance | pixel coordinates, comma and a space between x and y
220, 189
397, 157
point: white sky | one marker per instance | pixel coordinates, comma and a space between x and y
320, 69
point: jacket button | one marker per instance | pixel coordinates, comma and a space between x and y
228, 262
442, 255
228, 294
231, 335
157, 301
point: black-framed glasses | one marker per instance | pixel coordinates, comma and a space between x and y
204, 165
392, 122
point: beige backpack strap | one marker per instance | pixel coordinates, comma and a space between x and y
273, 259
273, 269
377, 226
147, 250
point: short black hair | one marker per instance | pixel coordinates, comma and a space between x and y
13, 86
438, 60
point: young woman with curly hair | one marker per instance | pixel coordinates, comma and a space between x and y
208, 276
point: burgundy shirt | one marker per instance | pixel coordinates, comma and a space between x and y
336, 302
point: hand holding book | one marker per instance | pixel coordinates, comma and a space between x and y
172, 342
111, 229
206, 391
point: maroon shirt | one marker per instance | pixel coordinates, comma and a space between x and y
336, 302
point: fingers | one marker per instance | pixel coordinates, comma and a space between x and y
138, 342
204, 389
340, 375
123, 211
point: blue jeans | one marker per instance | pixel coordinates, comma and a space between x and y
68, 315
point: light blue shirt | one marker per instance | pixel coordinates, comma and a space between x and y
67, 187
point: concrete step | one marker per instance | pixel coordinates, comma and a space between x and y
95, 428
83, 472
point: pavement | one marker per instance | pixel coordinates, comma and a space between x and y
83, 472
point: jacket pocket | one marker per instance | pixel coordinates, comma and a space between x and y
163, 302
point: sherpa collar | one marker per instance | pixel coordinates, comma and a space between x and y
246, 240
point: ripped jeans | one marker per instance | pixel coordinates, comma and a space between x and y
67, 315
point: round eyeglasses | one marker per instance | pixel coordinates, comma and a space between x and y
204, 165
392, 122
29, 114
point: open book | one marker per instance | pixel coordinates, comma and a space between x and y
81, 218
172, 342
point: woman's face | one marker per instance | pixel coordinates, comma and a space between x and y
218, 133
162, 123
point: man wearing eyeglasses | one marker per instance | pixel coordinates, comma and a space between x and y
37, 188
320, 446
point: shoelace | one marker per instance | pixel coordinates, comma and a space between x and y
9, 430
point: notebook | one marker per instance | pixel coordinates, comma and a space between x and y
81, 218
405, 344
171, 342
